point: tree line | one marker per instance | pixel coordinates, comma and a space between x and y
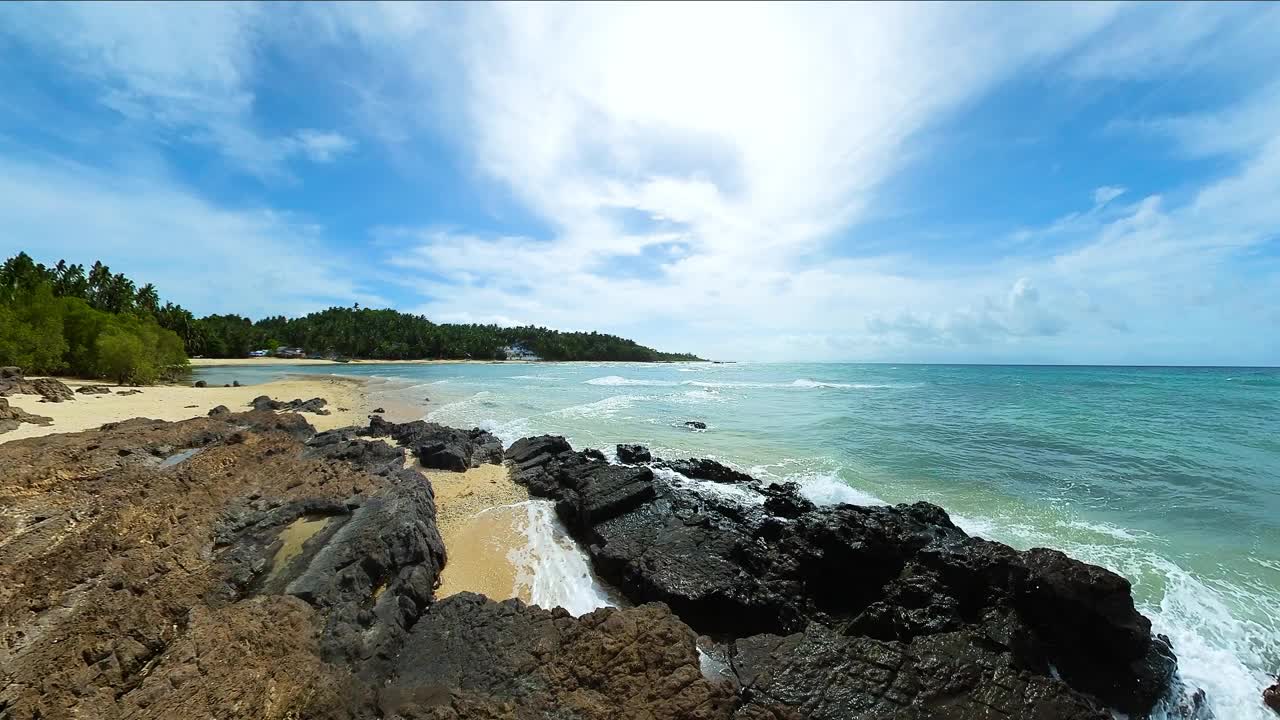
95, 323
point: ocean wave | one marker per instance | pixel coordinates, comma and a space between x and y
824, 489
615, 380
600, 408
548, 378
551, 570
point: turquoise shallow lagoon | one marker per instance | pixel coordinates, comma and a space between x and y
1170, 476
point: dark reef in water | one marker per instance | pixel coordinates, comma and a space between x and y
281, 573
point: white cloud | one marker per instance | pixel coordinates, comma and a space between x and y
204, 257
180, 72
1106, 194
322, 147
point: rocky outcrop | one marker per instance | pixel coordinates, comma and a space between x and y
703, 469
11, 417
471, 657
774, 564
314, 405
695, 425
12, 382
439, 447
94, 390
633, 454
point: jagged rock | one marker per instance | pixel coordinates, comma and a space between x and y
314, 405
957, 675
1271, 696
346, 444
588, 488
219, 411
49, 389
440, 447
704, 469
785, 500
11, 417
900, 574
93, 390
471, 657
633, 454
695, 424
200, 384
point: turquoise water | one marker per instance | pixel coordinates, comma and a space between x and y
1170, 476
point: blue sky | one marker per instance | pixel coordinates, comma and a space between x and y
936, 183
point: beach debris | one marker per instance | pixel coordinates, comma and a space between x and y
633, 454
94, 390
11, 417
1271, 696
314, 405
695, 424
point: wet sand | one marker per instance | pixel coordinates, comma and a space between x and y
482, 522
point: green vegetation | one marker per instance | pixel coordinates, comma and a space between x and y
57, 320
61, 319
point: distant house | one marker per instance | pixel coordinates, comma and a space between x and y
517, 351
290, 352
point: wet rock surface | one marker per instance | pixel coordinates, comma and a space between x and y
904, 575
1271, 696
633, 454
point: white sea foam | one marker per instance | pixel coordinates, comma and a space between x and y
823, 489
606, 407
546, 378
728, 491
798, 384
615, 380
551, 569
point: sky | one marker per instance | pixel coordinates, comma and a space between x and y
1011, 183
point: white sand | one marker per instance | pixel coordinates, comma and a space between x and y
175, 402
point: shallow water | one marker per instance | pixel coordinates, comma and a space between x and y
1166, 475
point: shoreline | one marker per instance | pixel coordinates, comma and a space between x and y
265, 362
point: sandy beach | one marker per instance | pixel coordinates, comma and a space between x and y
347, 404
482, 524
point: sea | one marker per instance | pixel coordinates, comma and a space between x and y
1168, 476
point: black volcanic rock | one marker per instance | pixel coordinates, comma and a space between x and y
695, 424
314, 405
440, 447
903, 574
471, 657
633, 454
704, 469
1271, 696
